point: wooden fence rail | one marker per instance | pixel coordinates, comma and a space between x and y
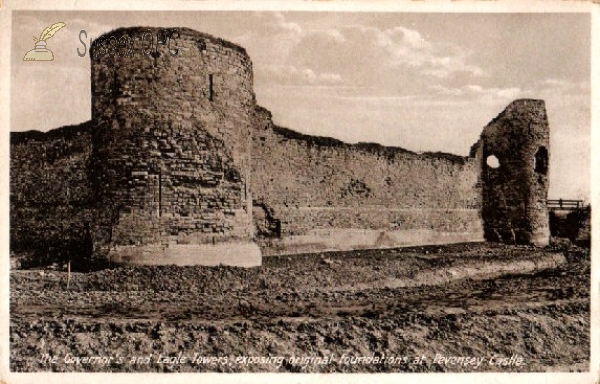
565, 204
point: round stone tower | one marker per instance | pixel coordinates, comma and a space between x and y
173, 110
515, 159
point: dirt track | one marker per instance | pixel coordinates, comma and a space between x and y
362, 311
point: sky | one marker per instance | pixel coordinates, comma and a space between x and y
421, 81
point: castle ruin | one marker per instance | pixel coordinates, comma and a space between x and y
179, 165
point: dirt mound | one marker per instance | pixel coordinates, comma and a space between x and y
497, 308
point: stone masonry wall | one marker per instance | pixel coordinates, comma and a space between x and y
171, 150
515, 192
51, 195
313, 182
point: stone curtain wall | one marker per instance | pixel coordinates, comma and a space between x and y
171, 150
515, 193
299, 170
312, 183
50, 190
301, 220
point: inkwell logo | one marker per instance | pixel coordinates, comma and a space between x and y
41, 53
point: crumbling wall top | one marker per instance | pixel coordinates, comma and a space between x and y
522, 108
182, 31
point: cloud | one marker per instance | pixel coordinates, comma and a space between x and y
564, 87
271, 28
486, 95
394, 54
440, 60
269, 38
408, 36
393, 59
551, 90
275, 22
291, 75
441, 90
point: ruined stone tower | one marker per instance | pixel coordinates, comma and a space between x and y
172, 145
514, 149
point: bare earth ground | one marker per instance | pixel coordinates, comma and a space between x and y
413, 309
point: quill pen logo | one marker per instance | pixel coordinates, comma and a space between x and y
40, 52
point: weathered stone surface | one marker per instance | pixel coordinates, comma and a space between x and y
172, 153
51, 196
177, 150
515, 193
320, 184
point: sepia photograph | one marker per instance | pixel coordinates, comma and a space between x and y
329, 191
